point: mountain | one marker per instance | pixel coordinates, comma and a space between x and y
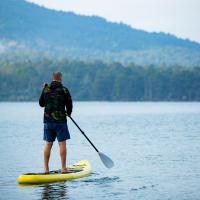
28, 30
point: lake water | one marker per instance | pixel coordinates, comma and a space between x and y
155, 147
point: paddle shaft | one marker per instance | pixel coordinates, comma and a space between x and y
84, 134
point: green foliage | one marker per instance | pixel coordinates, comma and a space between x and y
100, 81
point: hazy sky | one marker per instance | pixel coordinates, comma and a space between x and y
179, 17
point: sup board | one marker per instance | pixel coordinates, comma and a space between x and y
78, 170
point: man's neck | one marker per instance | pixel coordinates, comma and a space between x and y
57, 80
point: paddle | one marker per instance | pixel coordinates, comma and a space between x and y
104, 158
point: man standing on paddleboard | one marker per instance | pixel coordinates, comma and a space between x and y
57, 102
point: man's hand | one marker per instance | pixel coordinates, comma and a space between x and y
45, 85
68, 115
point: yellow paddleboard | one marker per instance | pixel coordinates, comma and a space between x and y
78, 170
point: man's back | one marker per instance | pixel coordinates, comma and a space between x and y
56, 99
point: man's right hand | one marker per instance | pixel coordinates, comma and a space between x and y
68, 115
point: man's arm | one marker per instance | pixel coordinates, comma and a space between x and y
68, 101
41, 99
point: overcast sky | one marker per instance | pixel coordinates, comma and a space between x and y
179, 17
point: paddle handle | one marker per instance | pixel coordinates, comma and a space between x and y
84, 134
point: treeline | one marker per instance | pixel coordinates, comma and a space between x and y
100, 81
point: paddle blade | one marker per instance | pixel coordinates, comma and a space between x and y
106, 160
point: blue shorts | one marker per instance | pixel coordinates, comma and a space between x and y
56, 130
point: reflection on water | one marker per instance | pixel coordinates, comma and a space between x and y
54, 191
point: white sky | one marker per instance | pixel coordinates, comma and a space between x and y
178, 17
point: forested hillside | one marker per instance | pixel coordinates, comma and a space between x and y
28, 31
100, 60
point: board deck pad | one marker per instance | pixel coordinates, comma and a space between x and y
78, 170
55, 172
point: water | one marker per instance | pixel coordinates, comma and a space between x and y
155, 147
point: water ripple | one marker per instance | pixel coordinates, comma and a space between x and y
103, 180
142, 188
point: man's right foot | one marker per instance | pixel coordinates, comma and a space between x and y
64, 171
46, 171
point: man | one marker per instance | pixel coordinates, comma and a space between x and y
57, 102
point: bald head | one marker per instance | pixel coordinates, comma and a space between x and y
57, 76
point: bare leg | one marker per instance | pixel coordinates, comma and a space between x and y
47, 152
63, 154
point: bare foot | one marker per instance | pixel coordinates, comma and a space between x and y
64, 171
46, 171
